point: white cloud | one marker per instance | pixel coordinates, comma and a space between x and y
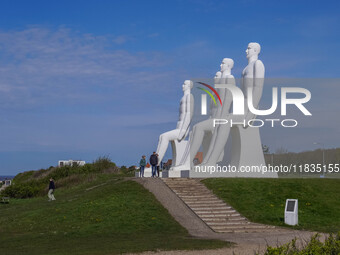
40, 64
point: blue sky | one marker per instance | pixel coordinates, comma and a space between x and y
80, 79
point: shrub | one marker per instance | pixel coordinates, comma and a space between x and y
22, 190
331, 246
103, 163
22, 177
35, 183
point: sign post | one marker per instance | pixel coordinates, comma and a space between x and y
291, 212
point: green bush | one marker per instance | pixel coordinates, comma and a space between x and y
35, 183
331, 246
22, 190
22, 177
103, 163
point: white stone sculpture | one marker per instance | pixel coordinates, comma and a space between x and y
201, 133
246, 143
177, 136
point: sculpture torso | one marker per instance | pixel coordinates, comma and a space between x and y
253, 77
247, 77
182, 109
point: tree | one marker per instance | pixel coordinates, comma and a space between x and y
265, 149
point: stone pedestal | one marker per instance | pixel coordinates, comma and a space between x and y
176, 174
178, 149
246, 151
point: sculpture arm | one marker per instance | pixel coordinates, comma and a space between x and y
227, 100
189, 111
219, 109
258, 81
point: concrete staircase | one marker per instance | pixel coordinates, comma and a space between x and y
218, 215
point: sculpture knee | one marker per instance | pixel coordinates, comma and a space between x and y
163, 137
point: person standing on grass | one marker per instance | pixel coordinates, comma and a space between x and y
142, 165
51, 189
153, 163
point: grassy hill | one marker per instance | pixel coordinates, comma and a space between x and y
95, 213
263, 200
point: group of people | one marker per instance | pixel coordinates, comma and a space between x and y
154, 165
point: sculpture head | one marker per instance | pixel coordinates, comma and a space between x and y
253, 49
227, 64
187, 85
217, 77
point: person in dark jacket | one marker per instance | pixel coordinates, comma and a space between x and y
153, 163
142, 165
51, 189
157, 165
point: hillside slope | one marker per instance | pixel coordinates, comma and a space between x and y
111, 215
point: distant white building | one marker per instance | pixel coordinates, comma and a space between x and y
7, 182
71, 162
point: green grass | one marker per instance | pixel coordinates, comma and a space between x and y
117, 217
263, 200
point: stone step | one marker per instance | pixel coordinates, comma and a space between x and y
217, 215
196, 195
211, 208
220, 219
193, 193
187, 183
201, 201
204, 198
193, 201
189, 188
243, 230
233, 224
215, 210
191, 184
199, 196
205, 204
239, 226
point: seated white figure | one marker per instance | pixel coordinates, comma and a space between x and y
177, 136
202, 131
246, 142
